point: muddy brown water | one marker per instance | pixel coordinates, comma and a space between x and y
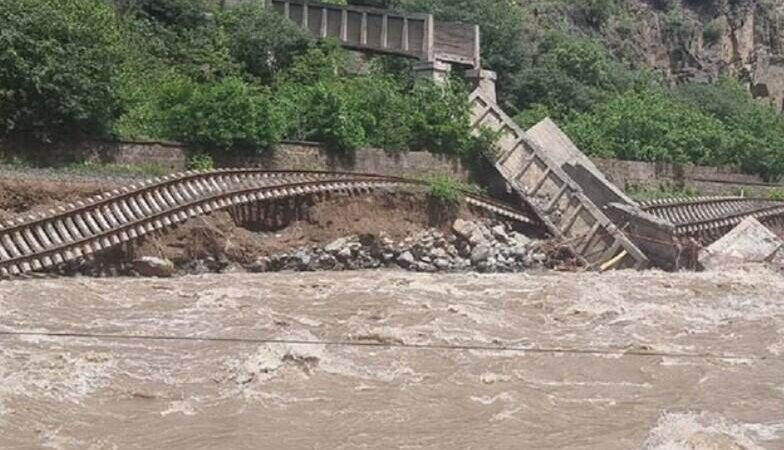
383, 360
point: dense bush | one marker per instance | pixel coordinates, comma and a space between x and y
196, 44
174, 13
440, 119
650, 125
596, 12
709, 124
569, 75
757, 129
322, 103
263, 41
57, 60
227, 113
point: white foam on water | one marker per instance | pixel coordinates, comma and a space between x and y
64, 377
275, 361
705, 431
489, 400
777, 349
183, 407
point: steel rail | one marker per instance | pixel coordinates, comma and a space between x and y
699, 210
730, 220
107, 221
223, 175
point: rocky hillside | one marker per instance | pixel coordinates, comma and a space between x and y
701, 40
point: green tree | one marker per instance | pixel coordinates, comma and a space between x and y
183, 35
758, 130
441, 119
173, 13
263, 41
568, 76
650, 125
224, 114
57, 61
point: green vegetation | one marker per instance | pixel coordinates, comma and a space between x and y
239, 80
57, 62
776, 194
220, 80
444, 189
572, 61
201, 161
756, 131
650, 125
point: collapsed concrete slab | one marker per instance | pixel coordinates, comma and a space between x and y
750, 241
544, 187
577, 165
654, 236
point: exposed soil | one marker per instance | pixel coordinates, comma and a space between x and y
289, 225
32, 195
298, 225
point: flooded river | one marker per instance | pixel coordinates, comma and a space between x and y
387, 360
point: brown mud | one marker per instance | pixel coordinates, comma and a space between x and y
298, 224
25, 196
382, 359
231, 244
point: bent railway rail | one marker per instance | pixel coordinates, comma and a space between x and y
84, 228
683, 211
708, 218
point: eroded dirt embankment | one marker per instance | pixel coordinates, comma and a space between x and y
382, 229
24, 195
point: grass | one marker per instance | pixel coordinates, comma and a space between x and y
444, 189
776, 194
89, 168
201, 161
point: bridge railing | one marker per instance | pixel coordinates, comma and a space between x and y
413, 35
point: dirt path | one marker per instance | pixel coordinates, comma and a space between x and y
385, 360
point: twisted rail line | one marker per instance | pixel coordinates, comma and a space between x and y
81, 229
692, 210
709, 218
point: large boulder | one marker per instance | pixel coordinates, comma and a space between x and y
464, 228
480, 253
406, 260
337, 245
748, 242
151, 266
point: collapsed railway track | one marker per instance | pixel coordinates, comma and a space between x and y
683, 211
708, 218
84, 228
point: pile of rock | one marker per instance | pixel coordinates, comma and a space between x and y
480, 246
468, 246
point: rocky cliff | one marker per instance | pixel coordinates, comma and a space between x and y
701, 40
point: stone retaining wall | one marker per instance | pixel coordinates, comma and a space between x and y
704, 180
312, 156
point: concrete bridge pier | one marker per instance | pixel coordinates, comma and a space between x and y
483, 81
435, 71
